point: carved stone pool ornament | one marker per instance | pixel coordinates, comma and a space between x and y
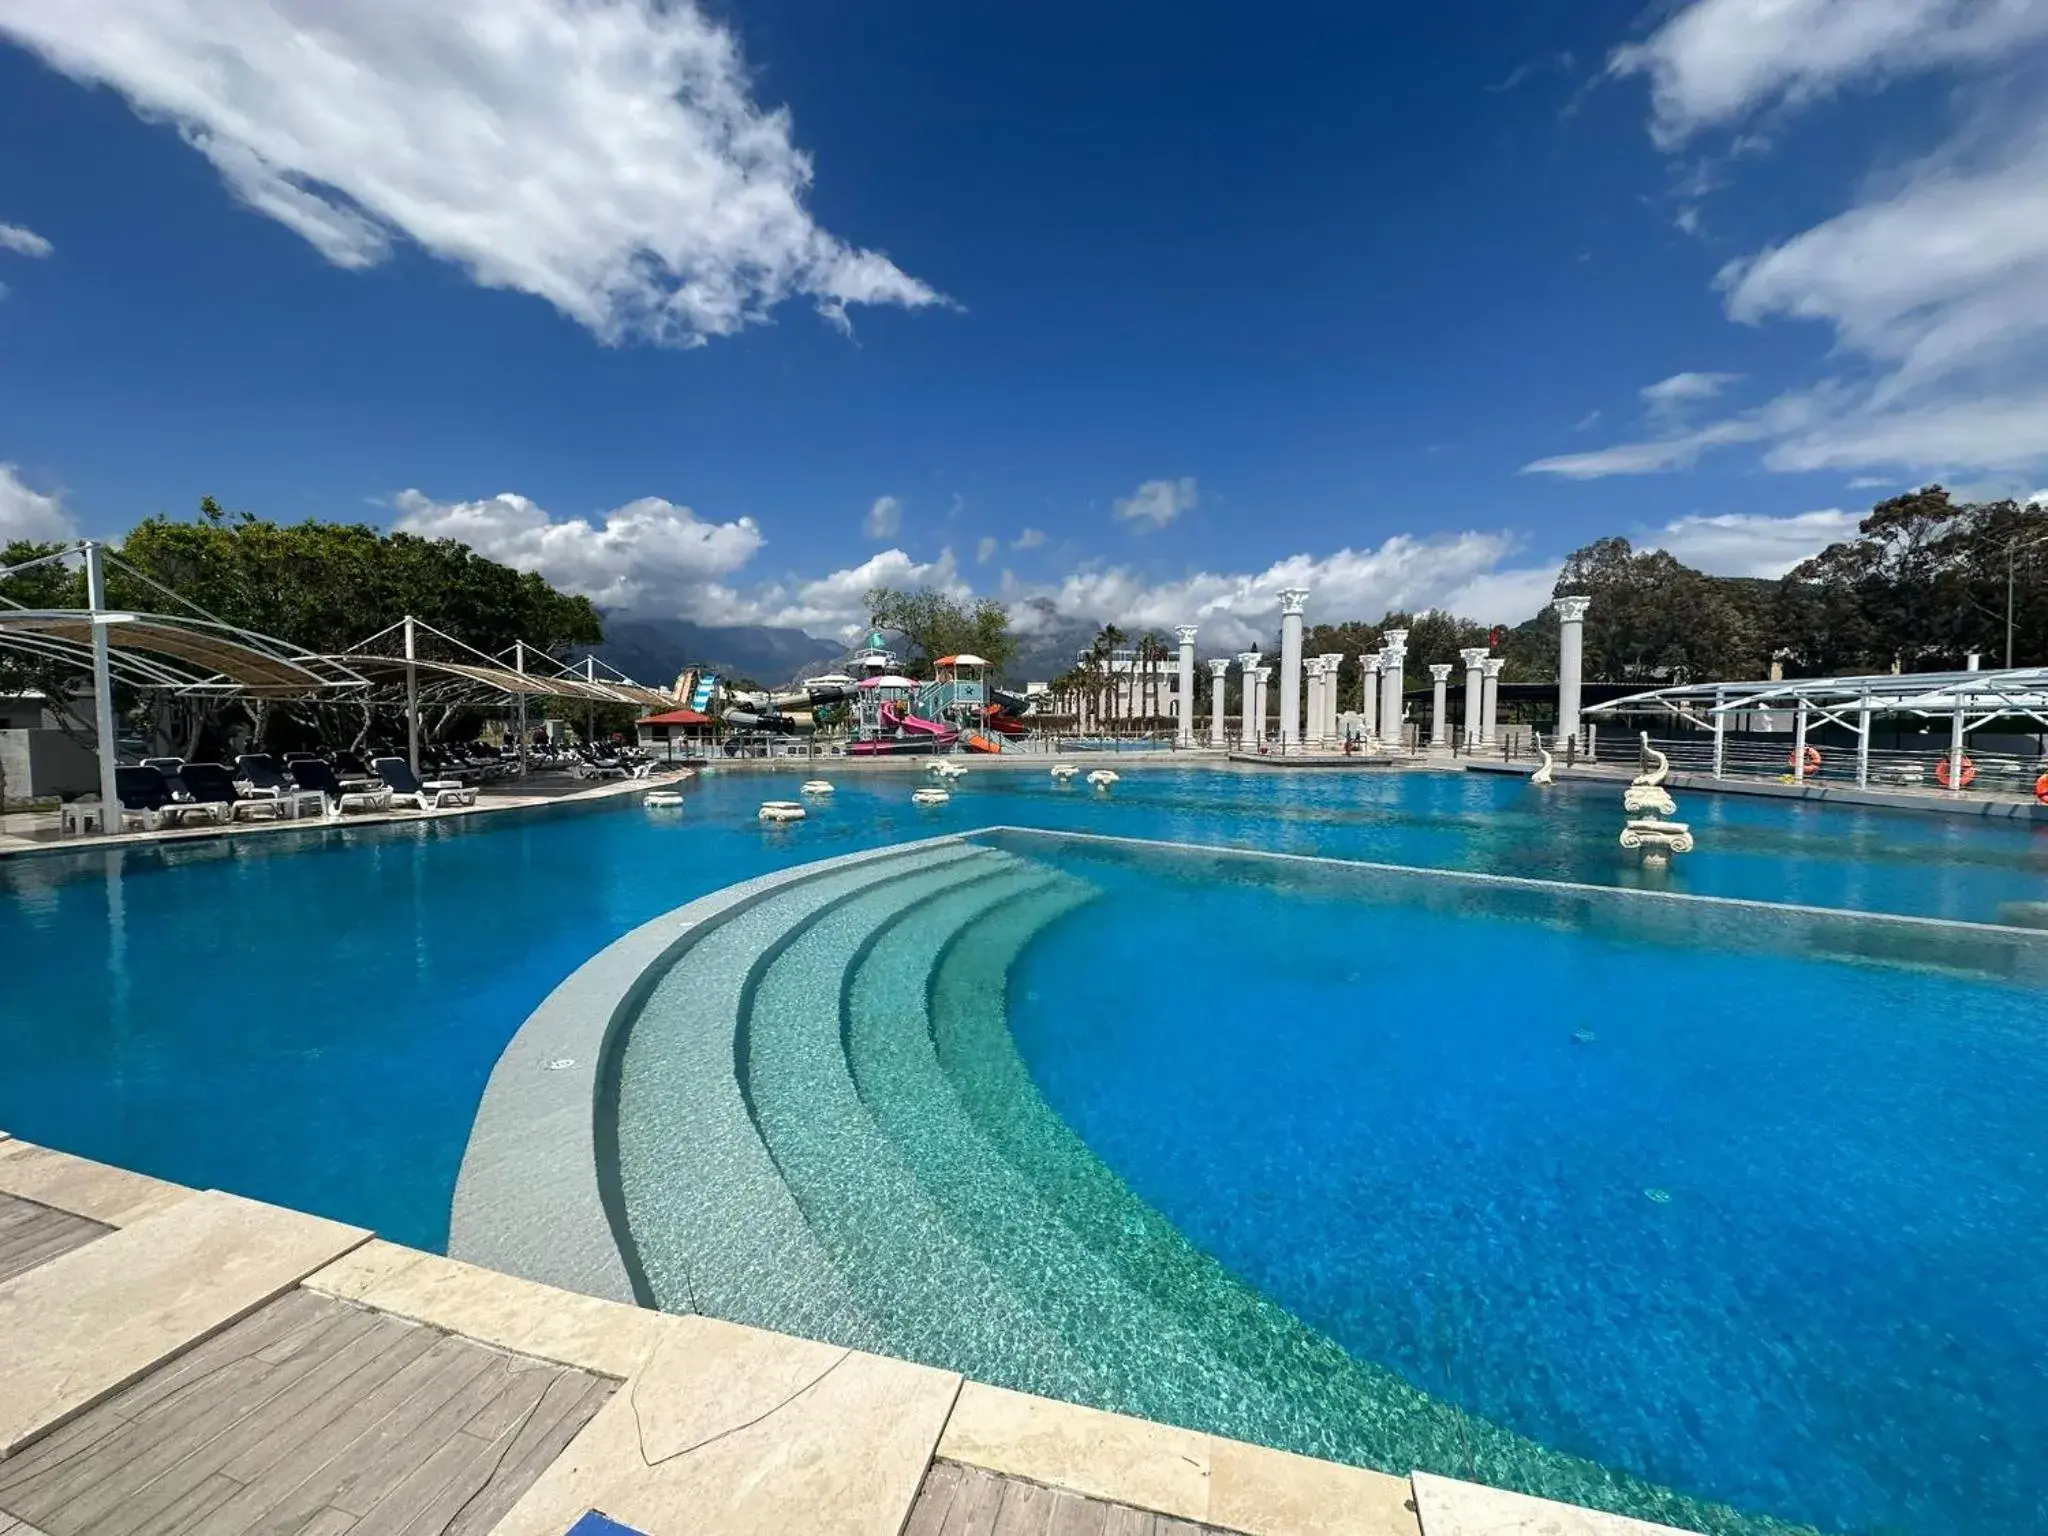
1542, 774
1657, 838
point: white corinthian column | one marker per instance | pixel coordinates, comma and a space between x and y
1439, 726
1311, 703
1393, 682
1489, 704
1184, 690
1475, 709
1571, 661
1291, 602
1333, 678
1265, 698
1219, 679
1248, 685
1369, 687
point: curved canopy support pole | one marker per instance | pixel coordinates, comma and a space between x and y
1799, 745
519, 663
1720, 735
102, 689
412, 697
1863, 743
1958, 737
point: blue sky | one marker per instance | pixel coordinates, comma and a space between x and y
730, 314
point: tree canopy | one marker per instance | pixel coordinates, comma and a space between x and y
934, 624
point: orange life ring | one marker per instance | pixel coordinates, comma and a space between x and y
1812, 755
1942, 773
2041, 789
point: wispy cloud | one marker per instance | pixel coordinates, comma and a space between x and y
23, 242
1030, 538
1752, 544
1669, 397
985, 549
607, 158
1157, 503
884, 518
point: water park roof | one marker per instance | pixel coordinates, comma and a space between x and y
155, 650
677, 717
889, 682
960, 661
2017, 690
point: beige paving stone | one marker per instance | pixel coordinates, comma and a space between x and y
520, 1315
81, 1186
1104, 1455
90, 1321
844, 1454
1452, 1508
1265, 1492
708, 1378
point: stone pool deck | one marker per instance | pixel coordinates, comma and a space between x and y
190, 1363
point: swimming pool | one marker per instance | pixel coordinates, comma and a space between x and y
310, 1018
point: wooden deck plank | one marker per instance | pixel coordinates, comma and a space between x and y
187, 1436
32, 1234
312, 1417
960, 1500
570, 1402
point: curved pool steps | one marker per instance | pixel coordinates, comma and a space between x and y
712, 1226
892, 1243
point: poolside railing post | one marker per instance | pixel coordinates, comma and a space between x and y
519, 665
412, 698
1863, 744
1720, 734
103, 689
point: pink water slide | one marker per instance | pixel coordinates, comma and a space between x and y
895, 715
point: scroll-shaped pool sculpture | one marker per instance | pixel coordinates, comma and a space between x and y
1542, 775
1657, 837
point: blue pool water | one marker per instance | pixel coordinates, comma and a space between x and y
1770, 1237
1764, 1228
310, 1018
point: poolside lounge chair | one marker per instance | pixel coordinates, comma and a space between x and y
210, 784
145, 797
257, 773
406, 788
312, 773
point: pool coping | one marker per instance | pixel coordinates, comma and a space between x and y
529, 1198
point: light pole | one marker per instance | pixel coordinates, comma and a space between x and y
2011, 547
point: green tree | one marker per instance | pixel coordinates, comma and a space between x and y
934, 624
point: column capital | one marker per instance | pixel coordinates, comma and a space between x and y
1492, 665
1370, 661
1219, 666
1440, 670
1292, 599
1473, 657
1247, 659
1394, 639
1185, 633
1331, 658
1572, 610
1394, 656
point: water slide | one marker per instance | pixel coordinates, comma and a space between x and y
974, 741
897, 717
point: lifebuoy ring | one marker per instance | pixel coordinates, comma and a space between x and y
1812, 756
2041, 789
1943, 771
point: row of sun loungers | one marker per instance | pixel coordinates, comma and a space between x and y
161, 792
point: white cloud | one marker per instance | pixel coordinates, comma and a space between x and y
1751, 544
23, 242
647, 556
985, 550
604, 155
1030, 538
1669, 397
1715, 62
1589, 421
836, 603
1465, 571
29, 514
884, 519
1158, 502
1868, 482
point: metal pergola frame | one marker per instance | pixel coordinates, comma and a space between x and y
1967, 700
